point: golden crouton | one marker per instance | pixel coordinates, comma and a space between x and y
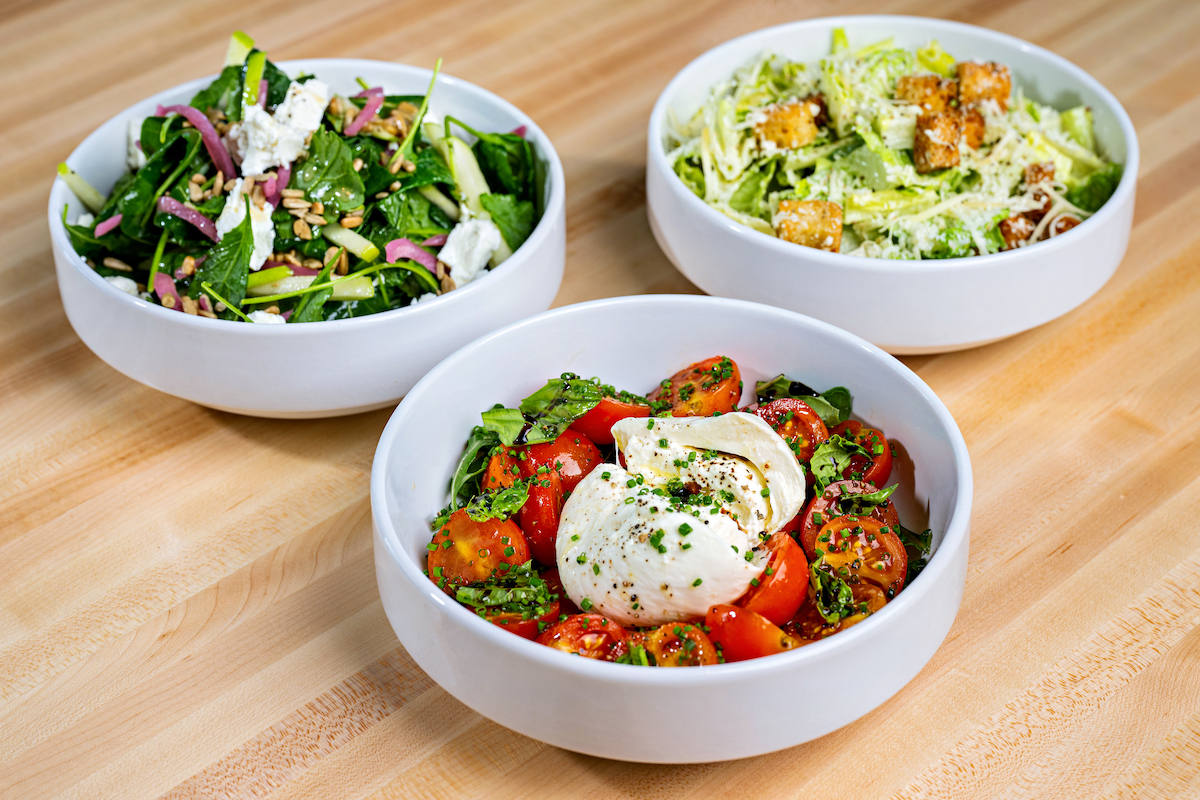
1035, 174
930, 92
812, 223
988, 81
973, 126
820, 112
935, 145
788, 125
1015, 230
1063, 224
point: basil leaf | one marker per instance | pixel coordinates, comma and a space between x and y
465, 483
831, 459
328, 175
832, 406
916, 546
513, 217
782, 386
500, 504
557, 404
831, 595
839, 398
505, 423
520, 591
228, 265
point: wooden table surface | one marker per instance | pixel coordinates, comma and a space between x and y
187, 599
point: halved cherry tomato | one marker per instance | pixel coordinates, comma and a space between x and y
707, 387
526, 628
588, 635
539, 516
554, 584
860, 549
464, 551
744, 634
828, 505
781, 589
680, 644
794, 420
875, 469
572, 455
597, 423
809, 626
503, 470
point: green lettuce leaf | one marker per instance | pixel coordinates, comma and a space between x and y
832, 457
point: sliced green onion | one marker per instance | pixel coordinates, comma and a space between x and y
360, 245
87, 194
267, 276
239, 45
156, 261
406, 145
254, 72
211, 293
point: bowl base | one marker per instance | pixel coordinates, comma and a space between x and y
320, 414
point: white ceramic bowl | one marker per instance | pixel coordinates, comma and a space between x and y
318, 369
665, 715
906, 307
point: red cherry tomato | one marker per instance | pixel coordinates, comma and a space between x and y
572, 455
744, 634
465, 551
797, 423
875, 469
860, 549
829, 504
539, 516
783, 585
588, 635
703, 389
503, 470
597, 423
680, 644
526, 628
809, 626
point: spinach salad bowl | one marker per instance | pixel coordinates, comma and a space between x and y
910, 302
329, 367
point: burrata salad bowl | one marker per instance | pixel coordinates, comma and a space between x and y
318, 369
616, 710
915, 307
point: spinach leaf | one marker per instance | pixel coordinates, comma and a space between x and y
217, 94
500, 504
228, 265
328, 175
286, 238
277, 83
831, 595
431, 168
139, 196
311, 305
1095, 191
831, 459
465, 483
159, 131
916, 546
406, 214
506, 160
375, 176
513, 217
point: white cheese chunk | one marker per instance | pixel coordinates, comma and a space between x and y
264, 143
468, 248
266, 318
304, 107
135, 159
261, 225
127, 285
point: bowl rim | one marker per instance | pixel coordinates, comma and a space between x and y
955, 536
657, 153
541, 234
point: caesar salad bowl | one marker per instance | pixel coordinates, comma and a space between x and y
718, 712
903, 306
319, 369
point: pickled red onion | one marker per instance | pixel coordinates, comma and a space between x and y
164, 287
262, 92
212, 142
374, 90
108, 224
519, 131
169, 205
405, 248
435, 241
374, 103
282, 176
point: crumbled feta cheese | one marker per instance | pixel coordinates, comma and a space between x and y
261, 225
304, 107
85, 220
135, 159
468, 248
425, 298
266, 317
127, 285
263, 142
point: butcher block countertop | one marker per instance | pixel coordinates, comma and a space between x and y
187, 597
